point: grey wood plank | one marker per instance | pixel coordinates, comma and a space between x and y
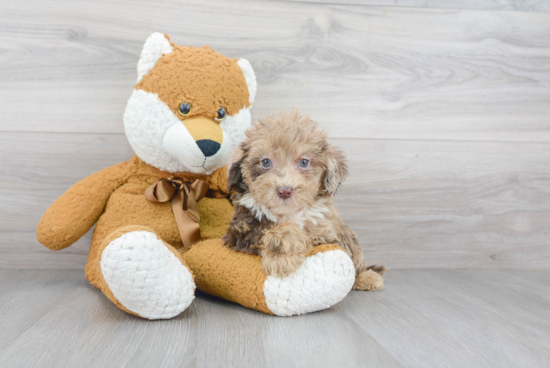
210, 333
21, 250
330, 340
27, 296
466, 204
422, 319
413, 204
362, 71
458, 318
37, 168
514, 5
86, 329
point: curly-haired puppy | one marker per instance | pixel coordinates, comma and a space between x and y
283, 181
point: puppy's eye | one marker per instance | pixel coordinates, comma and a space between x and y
221, 114
266, 163
184, 109
304, 163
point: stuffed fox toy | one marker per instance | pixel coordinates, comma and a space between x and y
159, 216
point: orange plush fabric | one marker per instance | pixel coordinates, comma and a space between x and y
207, 78
115, 198
231, 275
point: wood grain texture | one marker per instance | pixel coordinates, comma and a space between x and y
21, 250
362, 71
422, 319
459, 318
514, 5
443, 114
26, 296
413, 204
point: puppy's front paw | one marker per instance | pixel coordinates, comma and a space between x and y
281, 264
286, 238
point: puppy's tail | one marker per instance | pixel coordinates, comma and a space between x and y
378, 269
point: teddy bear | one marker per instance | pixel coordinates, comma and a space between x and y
159, 217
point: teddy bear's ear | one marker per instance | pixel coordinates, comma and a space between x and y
156, 45
250, 78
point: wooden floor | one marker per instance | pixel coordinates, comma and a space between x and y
424, 318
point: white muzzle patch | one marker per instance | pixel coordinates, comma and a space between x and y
160, 139
179, 143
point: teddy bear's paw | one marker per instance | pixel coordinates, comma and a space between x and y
146, 277
324, 279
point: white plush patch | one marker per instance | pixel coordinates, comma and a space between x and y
146, 120
146, 277
250, 78
322, 281
180, 145
160, 139
155, 46
234, 128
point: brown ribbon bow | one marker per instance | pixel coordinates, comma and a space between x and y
184, 197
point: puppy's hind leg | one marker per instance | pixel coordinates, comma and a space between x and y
366, 278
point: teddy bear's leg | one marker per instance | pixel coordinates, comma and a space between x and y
141, 274
324, 279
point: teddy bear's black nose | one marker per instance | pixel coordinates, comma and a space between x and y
208, 147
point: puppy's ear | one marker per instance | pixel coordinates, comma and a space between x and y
235, 176
336, 171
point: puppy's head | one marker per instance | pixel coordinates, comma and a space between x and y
286, 163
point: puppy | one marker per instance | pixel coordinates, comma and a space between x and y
283, 181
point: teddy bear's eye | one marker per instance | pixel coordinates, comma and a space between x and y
221, 114
184, 109
304, 163
266, 163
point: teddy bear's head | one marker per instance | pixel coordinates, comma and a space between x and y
190, 107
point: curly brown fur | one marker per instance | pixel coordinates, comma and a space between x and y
283, 182
245, 231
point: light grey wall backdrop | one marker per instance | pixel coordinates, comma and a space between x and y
443, 109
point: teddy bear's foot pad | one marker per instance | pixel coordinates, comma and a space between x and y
146, 277
323, 280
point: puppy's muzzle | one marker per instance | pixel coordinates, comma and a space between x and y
207, 134
284, 192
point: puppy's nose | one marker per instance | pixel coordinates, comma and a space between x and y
284, 192
208, 147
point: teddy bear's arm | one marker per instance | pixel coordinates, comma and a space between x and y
77, 210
